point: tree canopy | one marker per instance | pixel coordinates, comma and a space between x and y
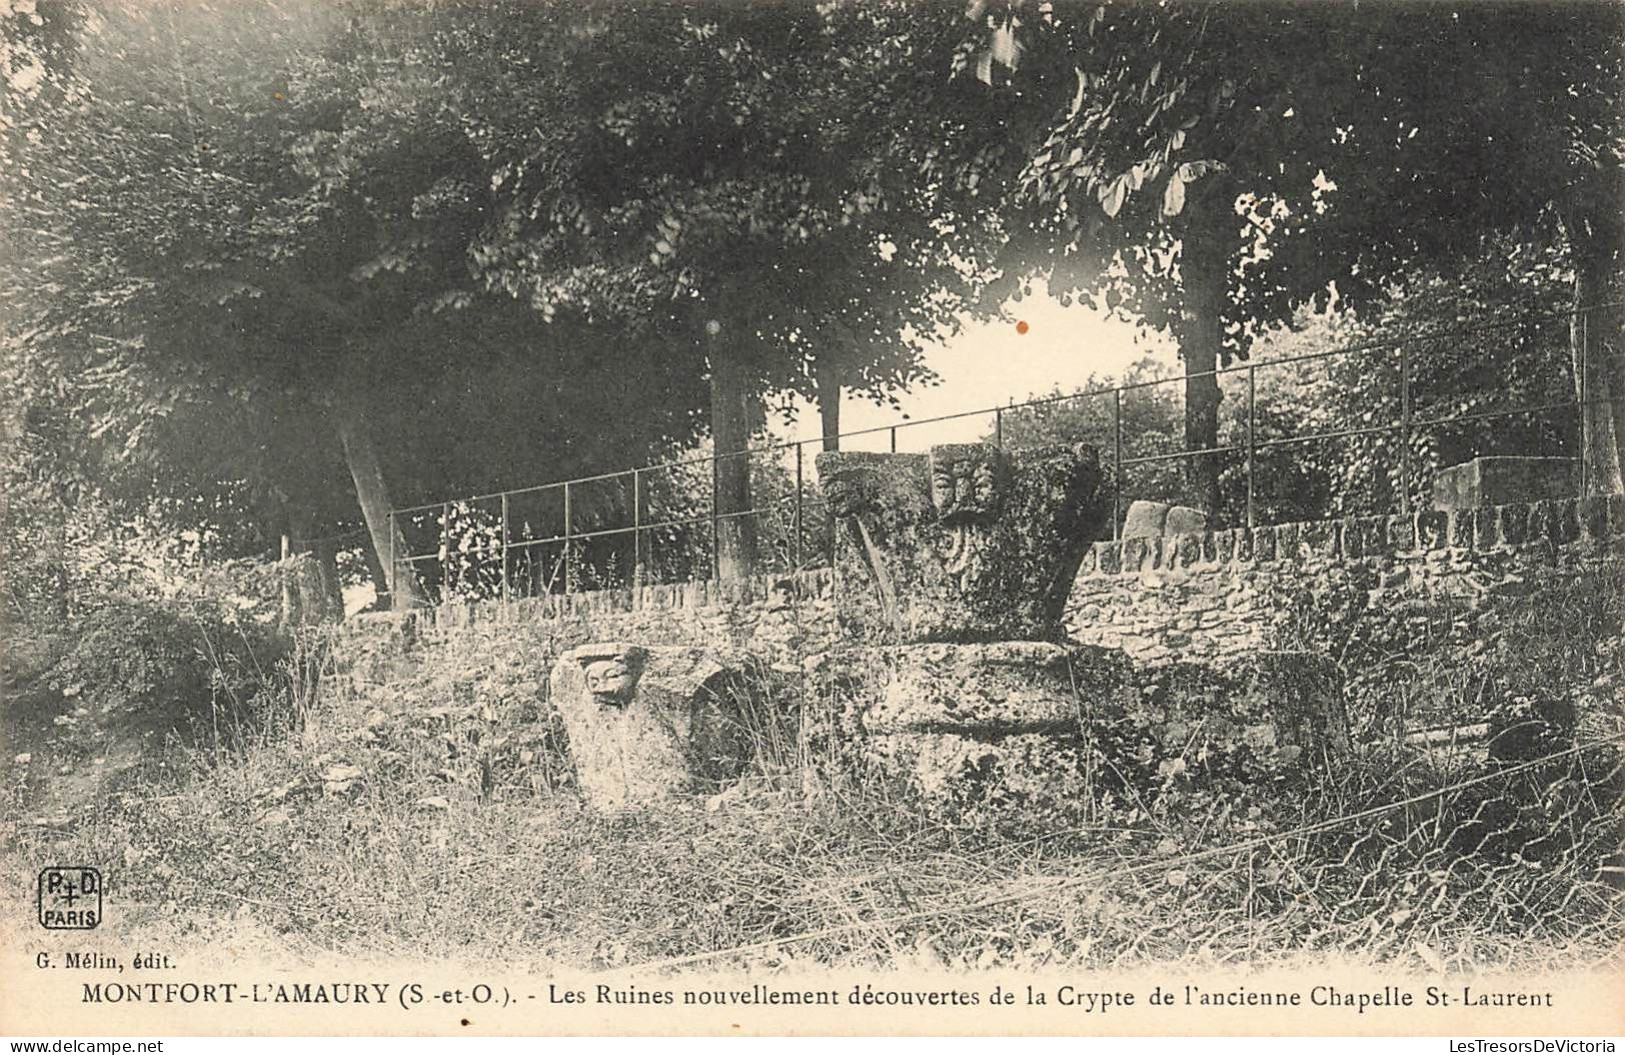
1215, 194
324, 256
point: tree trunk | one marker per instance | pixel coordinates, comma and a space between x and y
732, 402
1597, 348
311, 592
380, 579
373, 496
829, 404
1202, 263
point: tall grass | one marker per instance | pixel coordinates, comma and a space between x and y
462, 833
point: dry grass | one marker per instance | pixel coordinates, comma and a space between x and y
458, 832
195, 851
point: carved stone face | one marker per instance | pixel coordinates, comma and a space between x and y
612, 675
964, 482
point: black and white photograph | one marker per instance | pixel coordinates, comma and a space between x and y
764, 517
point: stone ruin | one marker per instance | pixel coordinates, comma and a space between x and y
648, 724
967, 543
1146, 519
954, 568
955, 571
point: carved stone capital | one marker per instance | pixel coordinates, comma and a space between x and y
966, 543
650, 723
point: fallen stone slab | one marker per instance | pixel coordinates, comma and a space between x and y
966, 723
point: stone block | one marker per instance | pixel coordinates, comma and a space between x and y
1224, 546
1000, 688
1319, 538
650, 724
1287, 538
1563, 520
1145, 519
1188, 549
1136, 554
954, 718
1432, 529
1542, 521
1183, 520
1109, 557
1459, 528
957, 775
1399, 532
1263, 710
1349, 540
1373, 535
1486, 528
1264, 543
1503, 480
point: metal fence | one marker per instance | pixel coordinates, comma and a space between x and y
661, 522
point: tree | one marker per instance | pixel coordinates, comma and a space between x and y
237, 238
1215, 195
779, 190
1483, 342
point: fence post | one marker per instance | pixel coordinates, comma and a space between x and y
638, 573
503, 549
795, 547
1252, 437
569, 565
1117, 462
716, 521
894, 439
998, 426
445, 552
1405, 430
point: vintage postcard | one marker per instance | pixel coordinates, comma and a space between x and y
865, 517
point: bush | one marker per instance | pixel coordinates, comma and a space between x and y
139, 667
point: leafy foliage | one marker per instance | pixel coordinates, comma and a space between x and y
1478, 348
1351, 147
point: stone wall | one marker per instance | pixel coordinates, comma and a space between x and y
1425, 613
1365, 592
779, 619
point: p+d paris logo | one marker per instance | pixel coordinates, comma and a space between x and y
70, 898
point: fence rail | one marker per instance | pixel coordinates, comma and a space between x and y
529, 559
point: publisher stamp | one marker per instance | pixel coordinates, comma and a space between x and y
70, 898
